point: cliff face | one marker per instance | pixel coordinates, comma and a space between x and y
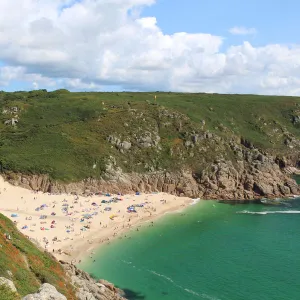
208, 146
250, 174
89, 288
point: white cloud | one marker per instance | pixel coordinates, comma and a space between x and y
35, 85
95, 44
242, 31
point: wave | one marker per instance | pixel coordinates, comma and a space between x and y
192, 292
195, 201
202, 296
269, 212
161, 275
127, 262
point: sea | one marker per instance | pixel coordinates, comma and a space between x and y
209, 251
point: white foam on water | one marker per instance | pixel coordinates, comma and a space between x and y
202, 296
288, 212
161, 275
191, 292
127, 262
269, 212
252, 212
195, 201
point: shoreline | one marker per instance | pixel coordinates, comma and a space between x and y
70, 227
74, 226
82, 254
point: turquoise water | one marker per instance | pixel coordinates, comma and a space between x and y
213, 251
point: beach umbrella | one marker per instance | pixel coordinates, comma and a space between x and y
87, 216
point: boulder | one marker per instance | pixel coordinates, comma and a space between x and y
262, 189
8, 283
125, 145
88, 288
46, 292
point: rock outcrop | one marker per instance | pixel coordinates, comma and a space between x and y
219, 180
8, 283
244, 173
86, 287
89, 288
46, 292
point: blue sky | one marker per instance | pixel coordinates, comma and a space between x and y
277, 21
231, 62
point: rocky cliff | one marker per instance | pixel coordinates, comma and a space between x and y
198, 145
250, 174
86, 288
89, 288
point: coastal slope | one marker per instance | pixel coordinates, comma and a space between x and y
29, 272
198, 145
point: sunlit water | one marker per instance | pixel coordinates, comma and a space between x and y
212, 251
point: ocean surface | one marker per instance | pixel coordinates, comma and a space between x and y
210, 251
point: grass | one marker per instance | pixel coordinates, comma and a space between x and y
7, 294
30, 267
64, 134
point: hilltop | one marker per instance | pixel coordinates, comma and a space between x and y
207, 145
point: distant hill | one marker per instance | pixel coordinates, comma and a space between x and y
71, 137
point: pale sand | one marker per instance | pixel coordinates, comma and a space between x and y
78, 244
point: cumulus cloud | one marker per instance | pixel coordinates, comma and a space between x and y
98, 44
242, 31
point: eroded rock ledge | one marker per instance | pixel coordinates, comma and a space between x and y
253, 176
89, 288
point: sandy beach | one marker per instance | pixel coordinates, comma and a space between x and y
71, 226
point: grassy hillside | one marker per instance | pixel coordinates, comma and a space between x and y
65, 134
27, 266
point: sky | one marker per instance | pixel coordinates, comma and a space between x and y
212, 46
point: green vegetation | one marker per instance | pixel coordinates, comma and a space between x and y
7, 294
65, 134
28, 266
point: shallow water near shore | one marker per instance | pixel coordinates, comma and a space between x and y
208, 251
